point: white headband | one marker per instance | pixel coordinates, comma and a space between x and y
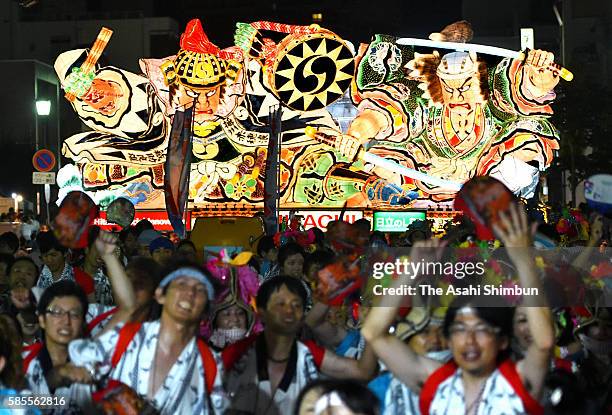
326, 401
189, 273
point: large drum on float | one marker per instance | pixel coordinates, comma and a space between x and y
311, 70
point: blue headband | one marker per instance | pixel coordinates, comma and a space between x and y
189, 273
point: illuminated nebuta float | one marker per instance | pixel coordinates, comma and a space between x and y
450, 116
194, 126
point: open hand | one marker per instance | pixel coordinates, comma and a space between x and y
515, 233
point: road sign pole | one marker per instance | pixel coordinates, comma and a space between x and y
47, 197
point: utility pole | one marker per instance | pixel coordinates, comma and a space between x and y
560, 21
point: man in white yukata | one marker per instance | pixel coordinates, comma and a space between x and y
48, 368
161, 360
480, 378
266, 372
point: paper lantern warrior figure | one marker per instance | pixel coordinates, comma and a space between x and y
449, 117
145, 125
214, 104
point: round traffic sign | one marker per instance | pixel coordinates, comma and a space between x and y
43, 160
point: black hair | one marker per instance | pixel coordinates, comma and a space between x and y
143, 225
47, 241
501, 316
147, 272
62, 288
354, 395
92, 235
274, 284
287, 250
131, 230
186, 242
24, 259
265, 244
323, 257
10, 240
319, 236
364, 224
7, 259
10, 348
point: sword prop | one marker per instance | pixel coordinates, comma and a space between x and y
389, 165
484, 49
94, 54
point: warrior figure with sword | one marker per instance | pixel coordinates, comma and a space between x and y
449, 117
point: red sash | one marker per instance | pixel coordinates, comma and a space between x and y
100, 318
129, 330
33, 350
507, 369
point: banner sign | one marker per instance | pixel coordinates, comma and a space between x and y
321, 218
396, 221
158, 218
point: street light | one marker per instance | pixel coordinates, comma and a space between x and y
43, 107
17, 199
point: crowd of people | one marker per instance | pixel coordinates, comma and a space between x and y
137, 323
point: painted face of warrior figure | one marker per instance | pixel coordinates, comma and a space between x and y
459, 83
457, 73
103, 96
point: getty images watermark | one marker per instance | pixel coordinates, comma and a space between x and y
491, 274
406, 269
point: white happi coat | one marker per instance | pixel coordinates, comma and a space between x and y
499, 397
248, 383
400, 399
183, 391
77, 396
93, 311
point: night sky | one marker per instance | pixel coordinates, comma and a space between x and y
355, 20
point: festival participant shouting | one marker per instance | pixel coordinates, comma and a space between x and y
267, 372
480, 378
162, 360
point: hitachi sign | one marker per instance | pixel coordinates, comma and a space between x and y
320, 218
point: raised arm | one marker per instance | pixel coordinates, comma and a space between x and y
326, 333
123, 292
596, 232
516, 236
405, 364
344, 368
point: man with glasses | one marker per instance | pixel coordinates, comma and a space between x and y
49, 371
480, 378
